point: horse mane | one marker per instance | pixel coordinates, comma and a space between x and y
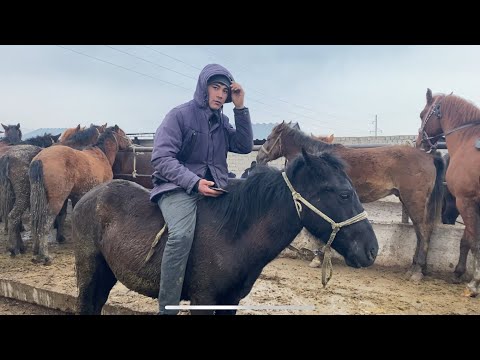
107, 134
461, 111
81, 137
302, 139
40, 140
252, 198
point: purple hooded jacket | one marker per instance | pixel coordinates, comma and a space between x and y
184, 147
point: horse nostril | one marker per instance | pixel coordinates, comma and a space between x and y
372, 253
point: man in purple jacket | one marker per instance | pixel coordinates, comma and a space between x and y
190, 156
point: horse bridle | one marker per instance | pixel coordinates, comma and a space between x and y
278, 139
426, 139
297, 199
436, 111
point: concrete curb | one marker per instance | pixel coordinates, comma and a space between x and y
53, 300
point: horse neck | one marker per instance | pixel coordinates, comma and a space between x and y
292, 146
110, 149
263, 243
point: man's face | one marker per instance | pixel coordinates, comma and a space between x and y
217, 95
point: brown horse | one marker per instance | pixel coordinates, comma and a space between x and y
60, 173
13, 135
116, 229
134, 165
409, 173
459, 121
15, 184
326, 139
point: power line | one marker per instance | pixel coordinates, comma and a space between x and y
252, 99
315, 123
284, 101
125, 68
150, 62
171, 57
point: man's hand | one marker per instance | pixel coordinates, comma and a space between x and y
238, 95
204, 188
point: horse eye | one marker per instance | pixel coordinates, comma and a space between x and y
345, 196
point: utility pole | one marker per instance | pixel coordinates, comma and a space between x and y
375, 122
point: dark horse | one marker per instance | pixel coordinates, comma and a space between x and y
59, 173
115, 224
15, 184
459, 121
449, 209
409, 173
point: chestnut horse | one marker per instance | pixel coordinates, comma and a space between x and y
60, 173
415, 177
459, 121
15, 184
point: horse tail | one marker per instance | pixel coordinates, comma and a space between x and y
435, 201
38, 198
7, 195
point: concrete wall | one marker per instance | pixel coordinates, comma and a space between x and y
397, 243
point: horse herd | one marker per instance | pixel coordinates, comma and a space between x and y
117, 232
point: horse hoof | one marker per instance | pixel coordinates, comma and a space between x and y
42, 260
315, 263
469, 292
416, 277
60, 239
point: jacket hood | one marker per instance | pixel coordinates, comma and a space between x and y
201, 93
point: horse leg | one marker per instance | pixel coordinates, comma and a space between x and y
228, 300
470, 214
423, 230
203, 299
22, 200
94, 284
60, 221
461, 268
41, 245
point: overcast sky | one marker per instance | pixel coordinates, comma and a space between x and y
327, 89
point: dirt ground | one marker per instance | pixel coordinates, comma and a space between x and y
284, 282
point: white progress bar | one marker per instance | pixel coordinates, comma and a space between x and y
238, 307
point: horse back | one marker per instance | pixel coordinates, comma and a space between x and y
116, 220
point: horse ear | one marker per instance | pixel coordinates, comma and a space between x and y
429, 96
56, 137
91, 125
18, 126
330, 138
104, 125
78, 127
306, 157
5, 127
116, 127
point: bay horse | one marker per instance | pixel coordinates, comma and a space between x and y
415, 177
134, 165
15, 184
59, 173
237, 234
458, 120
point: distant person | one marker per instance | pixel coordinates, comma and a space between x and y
247, 171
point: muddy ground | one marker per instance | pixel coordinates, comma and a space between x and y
284, 281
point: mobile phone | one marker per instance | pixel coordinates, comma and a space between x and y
219, 189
